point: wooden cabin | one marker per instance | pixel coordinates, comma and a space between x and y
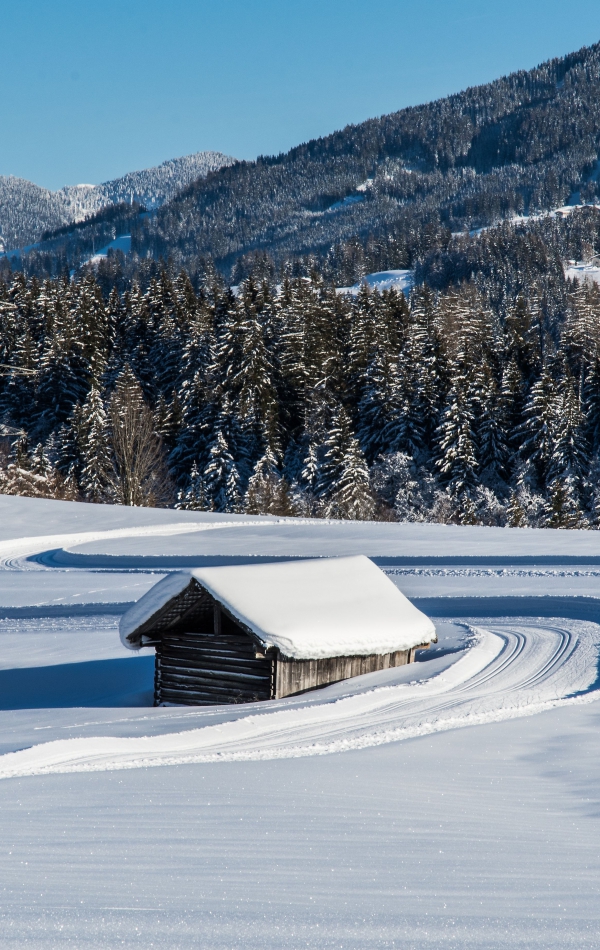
249, 633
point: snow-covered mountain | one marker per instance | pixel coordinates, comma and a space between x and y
26, 210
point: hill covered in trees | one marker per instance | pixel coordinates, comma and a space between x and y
295, 399
387, 191
526, 143
27, 211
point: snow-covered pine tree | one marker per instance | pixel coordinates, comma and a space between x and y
380, 409
351, 496
457, 462
493, 451
220, 475
516, 516
97, 474
268, 491
93, 328
252, 384
361, 339
344, 476
537, 430
194, 497
18, 401
512, 402
562, 510
591, 405
415, 408
61, 380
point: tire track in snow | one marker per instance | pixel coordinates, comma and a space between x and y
517, 667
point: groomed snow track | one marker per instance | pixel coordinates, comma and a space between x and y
516, 663
514, 668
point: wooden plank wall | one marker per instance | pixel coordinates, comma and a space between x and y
296, 676
199, 668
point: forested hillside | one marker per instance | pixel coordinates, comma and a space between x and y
525, 143
27, 212
300, 400
217, 367
393, 188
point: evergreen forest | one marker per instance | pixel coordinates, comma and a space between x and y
291, 398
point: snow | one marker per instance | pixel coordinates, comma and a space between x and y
151, 603
522, 219
449, 803
512, 671
346, 202
384, 280
307, 609
122, 243
581, 271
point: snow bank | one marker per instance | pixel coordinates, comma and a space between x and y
307, 609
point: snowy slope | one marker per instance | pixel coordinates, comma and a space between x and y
400, 280
150, 186
451, 803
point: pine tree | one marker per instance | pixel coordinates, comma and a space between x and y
194, 497
379, 407
344, 476
457, 462
516, 516
493, 451
569, 459
351, 496
221, 479
562, 509
97, 472
268, 492
537, 430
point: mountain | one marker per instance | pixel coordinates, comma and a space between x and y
28, 211
307, 382
381, 195
525, 143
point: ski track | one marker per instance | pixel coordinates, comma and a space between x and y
515, 668
15, 551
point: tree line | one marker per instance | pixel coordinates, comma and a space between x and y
292, 398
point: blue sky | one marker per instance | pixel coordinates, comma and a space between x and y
93, 90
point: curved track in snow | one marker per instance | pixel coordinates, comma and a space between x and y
515, 668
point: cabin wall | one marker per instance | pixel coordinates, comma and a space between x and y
200, 669
296, 676
206, 660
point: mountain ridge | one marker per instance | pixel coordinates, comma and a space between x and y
28, 210
524, 142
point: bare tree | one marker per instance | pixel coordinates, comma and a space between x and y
140, 475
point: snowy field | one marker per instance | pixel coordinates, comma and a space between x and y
452, 803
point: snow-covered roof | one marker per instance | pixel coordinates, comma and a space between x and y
310, 609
